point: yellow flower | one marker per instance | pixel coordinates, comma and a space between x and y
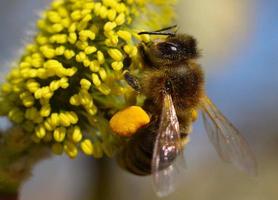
69, 82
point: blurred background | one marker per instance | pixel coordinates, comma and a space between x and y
239, 43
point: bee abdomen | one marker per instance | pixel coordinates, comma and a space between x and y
136, 156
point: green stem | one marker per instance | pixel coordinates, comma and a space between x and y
18, 155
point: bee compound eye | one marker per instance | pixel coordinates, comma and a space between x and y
168, 48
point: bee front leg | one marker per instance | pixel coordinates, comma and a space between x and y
130, 79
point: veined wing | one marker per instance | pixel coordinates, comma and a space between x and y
167, 156
228, 142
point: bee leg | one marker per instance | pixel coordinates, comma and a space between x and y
131, 80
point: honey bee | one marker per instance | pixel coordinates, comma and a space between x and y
173, 83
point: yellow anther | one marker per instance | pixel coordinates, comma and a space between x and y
41, 24
47, 125
24, 65
85, 84
72, 28
85, 34
54, 85
52, 64
90, 5
85, 99
85, 12
59, 134
92, 111
96, 79
130, 50
54, 120
109, 26
64, 119
82, 25
76, 134
102, 74
72, 38
112, 40
121, 8
94, 28
40, 131
56, 28
117, 66
45, 110
58, 38
6, 88
41, 39
145, 37
94, 66
108, 3
37, 63
62, 11
115, 54
125, 35
72, 116
120, 19
54, 17
90, 50
69, 54
87, 147
76, 15
47, 51
70, 149
111, 14
104, 89
56, 4
103, 12
27, 99
31, 113
66, 22
100, 57
86, 62
16, 115
87, 18
74, 100
80, 57
126, 122
97, 8
82, 44
68, 72
60, 50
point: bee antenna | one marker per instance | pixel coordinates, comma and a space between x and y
160, 31
156, 33
166, 29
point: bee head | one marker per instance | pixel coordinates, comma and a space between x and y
175, 49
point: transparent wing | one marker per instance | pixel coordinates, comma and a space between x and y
228, 142
167, 161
